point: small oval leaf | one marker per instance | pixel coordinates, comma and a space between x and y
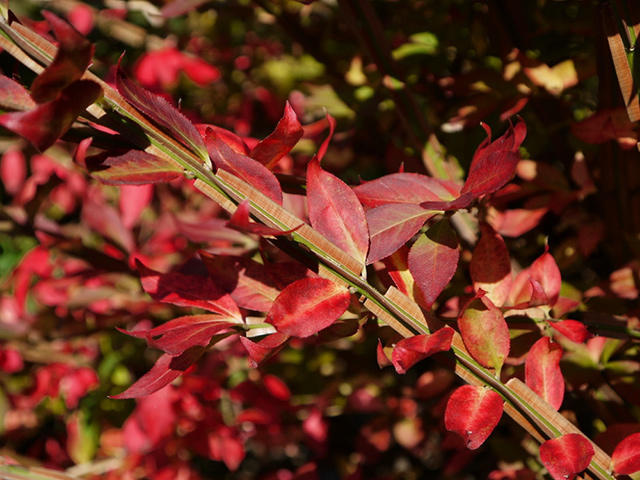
473, 412
307, 306
542, 371
566, 456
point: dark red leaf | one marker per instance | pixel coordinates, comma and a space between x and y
134, 167
279, 142
268, 346
334, 210
14, 96
381, 356
403, 188
182, 333
409, 351
163, 113
542, 371
473, 412
235, 142
494, 164
46, 123
166, 369
71, 60
463, 201
626, 456
325, 143
307, 306
240, 221
490, 266
252, 172
566, 456
485, 333
433, 259
391, 226
187, 291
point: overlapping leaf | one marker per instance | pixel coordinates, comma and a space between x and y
163, 113
490, 267
485, 333
334, 210
166, 369
240, 221
433, 260
14, 96
542, 371
252, 172
279, 142
403, 188
566, 456
71, 60
182, 333
391, 226
185, 290
307, 306
259, 351
134, 167
43, 125
473, 412
409, 351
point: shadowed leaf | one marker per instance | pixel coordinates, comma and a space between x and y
134, 167
334, 210
490, 266
433, 260
409, 351
259, 351
71, 60
14, 96
240, 221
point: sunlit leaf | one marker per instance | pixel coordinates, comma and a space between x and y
542, 371
626, 456
566, 456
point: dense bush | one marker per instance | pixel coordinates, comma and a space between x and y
284, 227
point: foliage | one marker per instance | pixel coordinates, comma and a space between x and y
274, 195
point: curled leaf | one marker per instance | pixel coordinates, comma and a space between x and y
279, 142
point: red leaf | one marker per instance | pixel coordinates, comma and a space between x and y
516, 222
134, 167
334, 210
180, 7
307, 306
409, 351
258, 351
43, 125
490, 266
572, 329
14, 96
494, 164
166, 369
13, 171
240, 221
542, 371
133, 200
485, 333
161, 112
187, 291
71, 60
566, 456
252, 172
235, 142
325, 143
182, 333
105, 219
463, 201
433, 259
381, 356
545, 271
279, 142
473, 412
626, 456
81, 17
391, 226
403, 188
